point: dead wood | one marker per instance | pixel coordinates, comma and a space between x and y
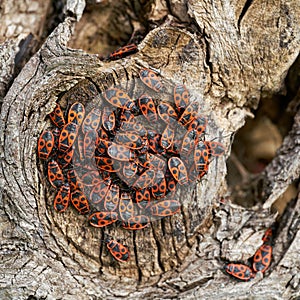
230, 56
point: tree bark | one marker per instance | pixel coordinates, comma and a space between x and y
230, 55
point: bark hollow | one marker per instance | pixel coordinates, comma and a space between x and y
231, 58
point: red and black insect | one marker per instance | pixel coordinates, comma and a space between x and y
91, 178
157, 162
215, 148
45, 144
240, 271
118, 98
126, 208
80, 202
167, 137
159, 188
150, 79
154, 142
89, 143
193, 174
67, 137
142, 198
135, 127
181, 97
92, 120
268, 236
56, 133
201, 156
189, 114
123, 52
262, 258
178, 170
199, 124
145, 147
57, 117
103, 218
188, 142
111, 199
120, 152
143, 160
146, 179
167, 113
62, 198
108, 118
129, 139
76, 113
102, 146
147, 107
171, 183
126, 116
117, 250
102, 134
136, 222
107, 164
165, 208
65, 158
99, 192
203, 172
130, 169
55, 175
175, 147
74, 180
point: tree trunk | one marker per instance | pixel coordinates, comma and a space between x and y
233, 57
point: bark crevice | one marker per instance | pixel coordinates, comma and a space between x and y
231, 57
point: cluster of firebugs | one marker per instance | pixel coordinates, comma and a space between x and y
116, 169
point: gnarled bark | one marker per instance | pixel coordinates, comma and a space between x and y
229, 56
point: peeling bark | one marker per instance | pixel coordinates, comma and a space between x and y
230, 56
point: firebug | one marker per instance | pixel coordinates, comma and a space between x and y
262, 258
147, 107
117, 250
103, 218
92, 120
57, 117
45, 144
136, 222
67, 137
240, 271
178, 170
55, 175
123, 52
80, 202
76, 113
62, 198
165, 208
150, 79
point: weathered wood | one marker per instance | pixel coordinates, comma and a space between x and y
229, 58
21, 31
